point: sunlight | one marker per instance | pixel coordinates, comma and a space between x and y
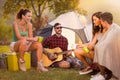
92, 6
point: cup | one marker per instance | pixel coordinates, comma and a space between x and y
40, 39
85, 49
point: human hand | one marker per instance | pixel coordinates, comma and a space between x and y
52, 57
35, 38
90, 46
79, 46
69, 52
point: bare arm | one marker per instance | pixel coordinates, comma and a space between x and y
30, 33
93, 42
16, 29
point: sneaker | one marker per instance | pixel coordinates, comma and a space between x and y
85, 72
22, 65
97, 77
94, 75
40, 67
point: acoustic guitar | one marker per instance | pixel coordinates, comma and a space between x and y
56, 51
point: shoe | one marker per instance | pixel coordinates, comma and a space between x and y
85, 70
40, 67
97, 77
22, 65
94, 75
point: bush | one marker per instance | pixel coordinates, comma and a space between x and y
4, 49
5, 32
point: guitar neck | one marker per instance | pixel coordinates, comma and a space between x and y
63, 52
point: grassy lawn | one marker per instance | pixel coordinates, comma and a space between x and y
32, 74
52, 74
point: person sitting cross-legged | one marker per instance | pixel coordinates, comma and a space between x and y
58, 40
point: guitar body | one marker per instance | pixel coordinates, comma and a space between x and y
46, 61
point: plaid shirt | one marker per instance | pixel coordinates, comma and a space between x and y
54, 41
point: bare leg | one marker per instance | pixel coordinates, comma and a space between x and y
80, 54
20, 47
38, 47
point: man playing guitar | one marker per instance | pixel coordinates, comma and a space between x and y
57, 40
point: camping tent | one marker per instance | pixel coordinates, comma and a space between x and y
72, 23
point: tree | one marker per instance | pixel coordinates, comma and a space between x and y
39, 6
5, 32
62, 6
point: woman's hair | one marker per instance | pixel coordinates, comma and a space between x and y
21, 12
98, 28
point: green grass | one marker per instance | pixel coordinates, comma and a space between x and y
32, 74
52, 74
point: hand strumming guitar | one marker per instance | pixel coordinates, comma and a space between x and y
52, 57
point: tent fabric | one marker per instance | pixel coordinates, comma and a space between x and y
70, 19
45, 32
72, 24
81, 33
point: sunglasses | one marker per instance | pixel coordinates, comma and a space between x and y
58, 28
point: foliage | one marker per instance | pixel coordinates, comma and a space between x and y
39, 6
5, 31
4, 49
62, 6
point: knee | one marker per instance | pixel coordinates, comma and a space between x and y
64, 64
38, 46
76, 53
22, 42
79, 52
